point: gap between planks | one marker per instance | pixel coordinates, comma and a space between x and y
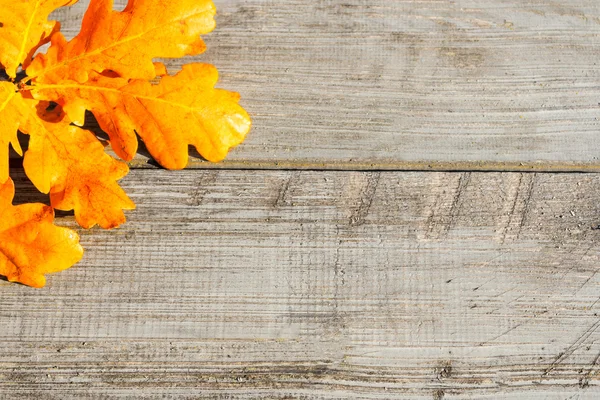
392, 166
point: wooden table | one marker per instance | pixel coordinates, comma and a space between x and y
403, 221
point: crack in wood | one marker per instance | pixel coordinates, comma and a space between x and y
463, 183
366, 199
282, 196
512, 210
206, 179
528, 196
581, 339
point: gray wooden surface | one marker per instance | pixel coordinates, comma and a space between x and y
389, 84
266, 280
242, 284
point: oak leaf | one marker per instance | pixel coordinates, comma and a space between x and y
30, 245
108, 69
126, 42
70, 164
181, 110
24, 28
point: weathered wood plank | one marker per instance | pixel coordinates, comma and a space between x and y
385, 84
299, 284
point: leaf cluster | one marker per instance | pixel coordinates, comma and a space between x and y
108, 69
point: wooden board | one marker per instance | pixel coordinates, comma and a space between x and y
330, 285
389, 84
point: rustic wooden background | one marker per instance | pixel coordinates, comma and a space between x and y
313, 263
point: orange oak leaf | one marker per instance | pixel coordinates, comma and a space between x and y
24, 27
181, 110
70, 164
63, 160
126, 42
30, 244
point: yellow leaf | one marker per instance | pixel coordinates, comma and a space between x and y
126, 42
70, 164
24, 27
181, 110
63, 160
30, 244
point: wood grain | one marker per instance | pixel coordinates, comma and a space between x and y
329, 285
273, 282
389, 84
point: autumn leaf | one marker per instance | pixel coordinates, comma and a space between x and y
108, 69
30, 245
126, 42
24, 27
65, 161
70, 164
181, 110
